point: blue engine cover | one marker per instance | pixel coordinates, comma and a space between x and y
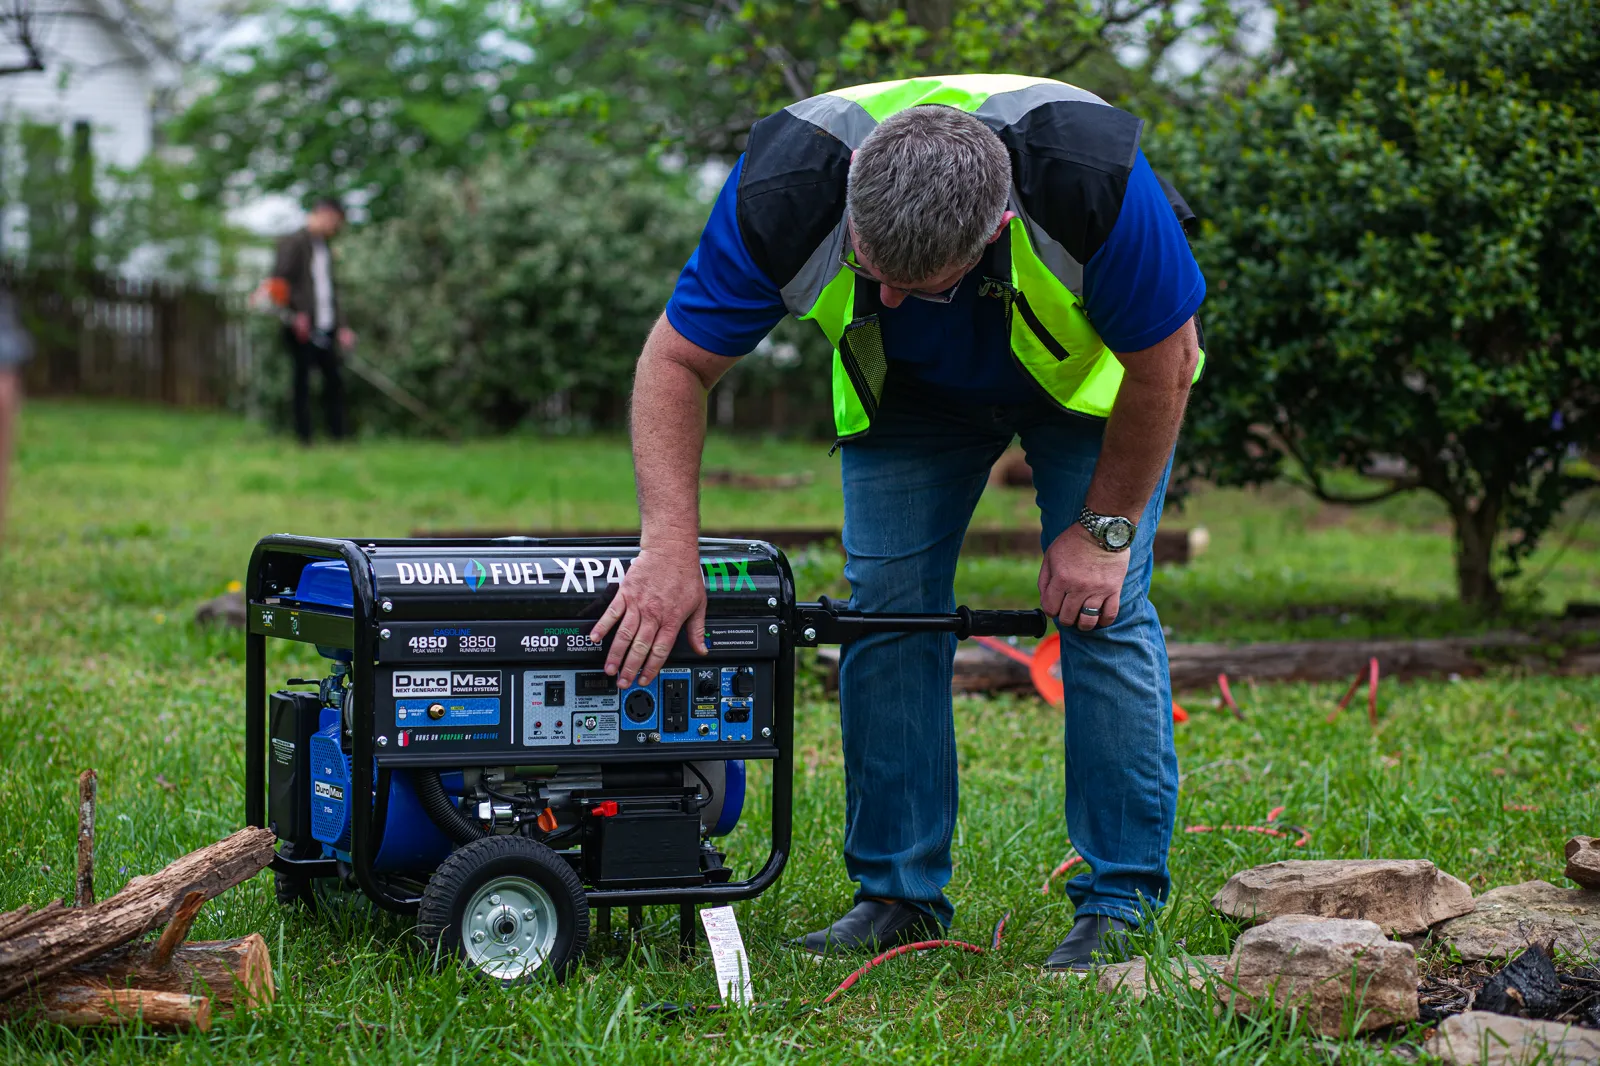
330, 787
411, 842
326, 584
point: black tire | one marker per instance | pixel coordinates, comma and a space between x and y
441, 917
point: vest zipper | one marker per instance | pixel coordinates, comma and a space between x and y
1013, 298
1036, 327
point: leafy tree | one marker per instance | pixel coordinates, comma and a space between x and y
349, 100
1403, 251
697, 74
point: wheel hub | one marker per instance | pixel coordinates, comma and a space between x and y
508, 928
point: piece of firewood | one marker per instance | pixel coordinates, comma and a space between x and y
13, 922
233, 974
177, 930
77, 935
87, 782
86, 1005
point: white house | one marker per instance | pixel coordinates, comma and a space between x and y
100, 67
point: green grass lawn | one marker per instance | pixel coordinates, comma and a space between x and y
125, 518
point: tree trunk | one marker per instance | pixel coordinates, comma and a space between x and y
1475, 530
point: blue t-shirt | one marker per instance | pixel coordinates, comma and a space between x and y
1140, 286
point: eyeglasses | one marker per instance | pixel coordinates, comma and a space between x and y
943, 296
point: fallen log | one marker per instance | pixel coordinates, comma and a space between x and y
1171, 545
69, 937
23, 918
84, 1005
1195, 666
231, 974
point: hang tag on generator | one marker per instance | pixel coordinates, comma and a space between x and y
728, 955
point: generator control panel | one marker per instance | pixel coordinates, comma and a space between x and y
524, 711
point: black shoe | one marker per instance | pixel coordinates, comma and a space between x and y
869, 926
1095, 939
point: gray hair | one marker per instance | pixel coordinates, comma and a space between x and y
928, 188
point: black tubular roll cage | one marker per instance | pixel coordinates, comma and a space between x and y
369, 802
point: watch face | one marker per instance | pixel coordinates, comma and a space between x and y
1118, 533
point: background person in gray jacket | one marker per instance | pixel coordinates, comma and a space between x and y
314, 330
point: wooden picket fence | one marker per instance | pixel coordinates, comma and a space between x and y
131, 339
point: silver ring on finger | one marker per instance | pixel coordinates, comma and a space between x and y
1089, 612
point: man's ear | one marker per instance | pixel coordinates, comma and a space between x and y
1005, 220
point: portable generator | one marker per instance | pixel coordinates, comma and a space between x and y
466, 758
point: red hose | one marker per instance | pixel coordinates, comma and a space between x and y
921, 945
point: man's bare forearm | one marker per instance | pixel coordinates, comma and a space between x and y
669, 432
1144, 425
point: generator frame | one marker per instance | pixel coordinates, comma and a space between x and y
798, 625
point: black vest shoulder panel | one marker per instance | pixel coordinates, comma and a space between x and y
1070, 163
791, 193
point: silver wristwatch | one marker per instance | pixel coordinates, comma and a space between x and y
1113, 532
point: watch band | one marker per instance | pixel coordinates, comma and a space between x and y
1113, 532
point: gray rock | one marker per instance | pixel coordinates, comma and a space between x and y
1583, 861
1133, 976
1509, 919
1404, 896
1479, 1038
1341, 974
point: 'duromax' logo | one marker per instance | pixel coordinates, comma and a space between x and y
476, 574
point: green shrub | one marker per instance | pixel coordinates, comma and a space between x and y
1402, 246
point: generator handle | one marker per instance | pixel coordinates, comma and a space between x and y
828, 621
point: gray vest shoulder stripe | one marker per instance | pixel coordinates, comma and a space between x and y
845, 119
1002, 109
803, 290
1056, 258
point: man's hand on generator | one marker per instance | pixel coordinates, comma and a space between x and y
1080, 575
663, 589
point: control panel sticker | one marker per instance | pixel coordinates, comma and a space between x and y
728, 638
557, 640
547, 704
422, 683
447, 711
409, 737
444, 682
600, 728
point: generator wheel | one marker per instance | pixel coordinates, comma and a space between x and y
510, 908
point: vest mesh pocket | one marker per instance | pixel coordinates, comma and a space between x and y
861, 349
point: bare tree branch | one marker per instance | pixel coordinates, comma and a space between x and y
775, 53
18, 22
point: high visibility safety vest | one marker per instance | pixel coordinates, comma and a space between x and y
1071, 154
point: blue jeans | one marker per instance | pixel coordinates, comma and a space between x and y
910, 487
